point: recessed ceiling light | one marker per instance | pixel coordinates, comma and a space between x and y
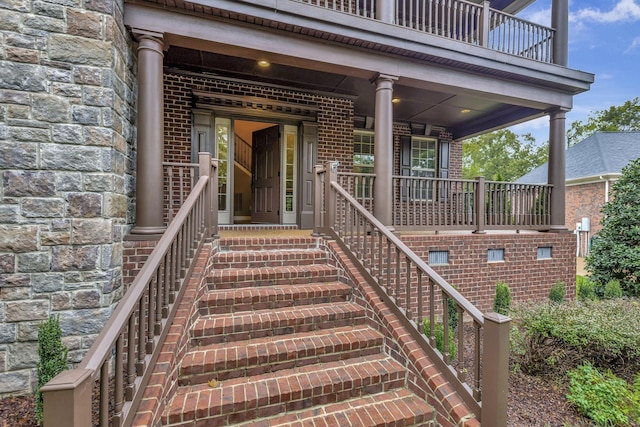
264, 63
465, 111
395, 100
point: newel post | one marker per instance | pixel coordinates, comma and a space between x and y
495, 367
480, 208
214, 198
331, 175
484, 24
67, 399
204, 169
318, 202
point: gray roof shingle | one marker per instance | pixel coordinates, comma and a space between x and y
600, 154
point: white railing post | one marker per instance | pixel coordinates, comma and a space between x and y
386, 10
484, 24
204, 169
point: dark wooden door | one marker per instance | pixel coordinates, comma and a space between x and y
266, 176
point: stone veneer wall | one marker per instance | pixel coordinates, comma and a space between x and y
67, 94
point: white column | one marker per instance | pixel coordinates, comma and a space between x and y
385, 10
383, 150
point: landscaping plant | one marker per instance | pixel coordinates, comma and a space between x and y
585, 289
502, 300
438, 332
615, 252
557, 292
612, 290
53, 358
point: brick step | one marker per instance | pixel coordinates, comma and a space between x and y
267, 276
270, 354
268, 243
269, 258
271, 297
396, 408
266, 395
262, 323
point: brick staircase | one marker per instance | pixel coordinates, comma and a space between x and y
278, 340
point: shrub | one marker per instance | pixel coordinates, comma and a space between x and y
438, 332
557, 292
604, 398
612, 290
452, 312
502, 300
53, 358
585, 289
558, 337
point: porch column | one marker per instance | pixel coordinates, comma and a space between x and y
385, 10
150, 149
383, 150
560, 23
556, 171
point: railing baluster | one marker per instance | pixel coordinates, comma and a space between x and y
118, 401
408, 290
131, 354
389, 287
104, 394
432, 313
420, 302
477, 394
461, 369
446, 355
140, 365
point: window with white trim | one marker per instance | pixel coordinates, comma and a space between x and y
363, 152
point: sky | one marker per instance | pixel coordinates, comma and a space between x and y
604, 39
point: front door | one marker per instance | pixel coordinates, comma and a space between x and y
266, 176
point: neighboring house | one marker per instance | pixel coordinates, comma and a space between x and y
592, 166
96, 95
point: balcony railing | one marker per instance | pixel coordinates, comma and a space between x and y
457, 204
464, 21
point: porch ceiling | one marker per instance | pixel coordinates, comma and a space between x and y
416, 105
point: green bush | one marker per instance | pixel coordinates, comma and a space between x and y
612, 290
558, 337
585, 289
53, 358
557, 292
502, 300
452, 312
438, 332
604, 398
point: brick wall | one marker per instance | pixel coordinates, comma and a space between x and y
529, 279
67, 160
585, 200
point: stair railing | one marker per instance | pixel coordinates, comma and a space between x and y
420, 297
243, 153
123, 356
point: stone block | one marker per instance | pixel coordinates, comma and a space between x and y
47, 282
20, 311
98, 136
84, 205
48, 9
97, 96
61, 225
116, 205
18, 112
28, 134
18, 238
18, 155
21, 40
53, 238
28, 331
9, 214
50, 108
25, 77
15, 293
19, 5
59, 75
9, 20
44, 23
67, 258
14, 281
89, 298
61, 301
84, 24
28, 184
42, 208
8, 333
85, 115
70, 158
18, 54
84, 321
69, 181
66, 133
66, 89
98, 182
79, 50
15, 382
87, 76
33, 262
91, 231
22, 355
14, 97
7, 263
104, 6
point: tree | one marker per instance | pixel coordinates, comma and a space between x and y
622, 118
615, 253
501, 155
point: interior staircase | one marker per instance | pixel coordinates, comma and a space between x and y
279, 339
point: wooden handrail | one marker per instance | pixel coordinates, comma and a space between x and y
140, 322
